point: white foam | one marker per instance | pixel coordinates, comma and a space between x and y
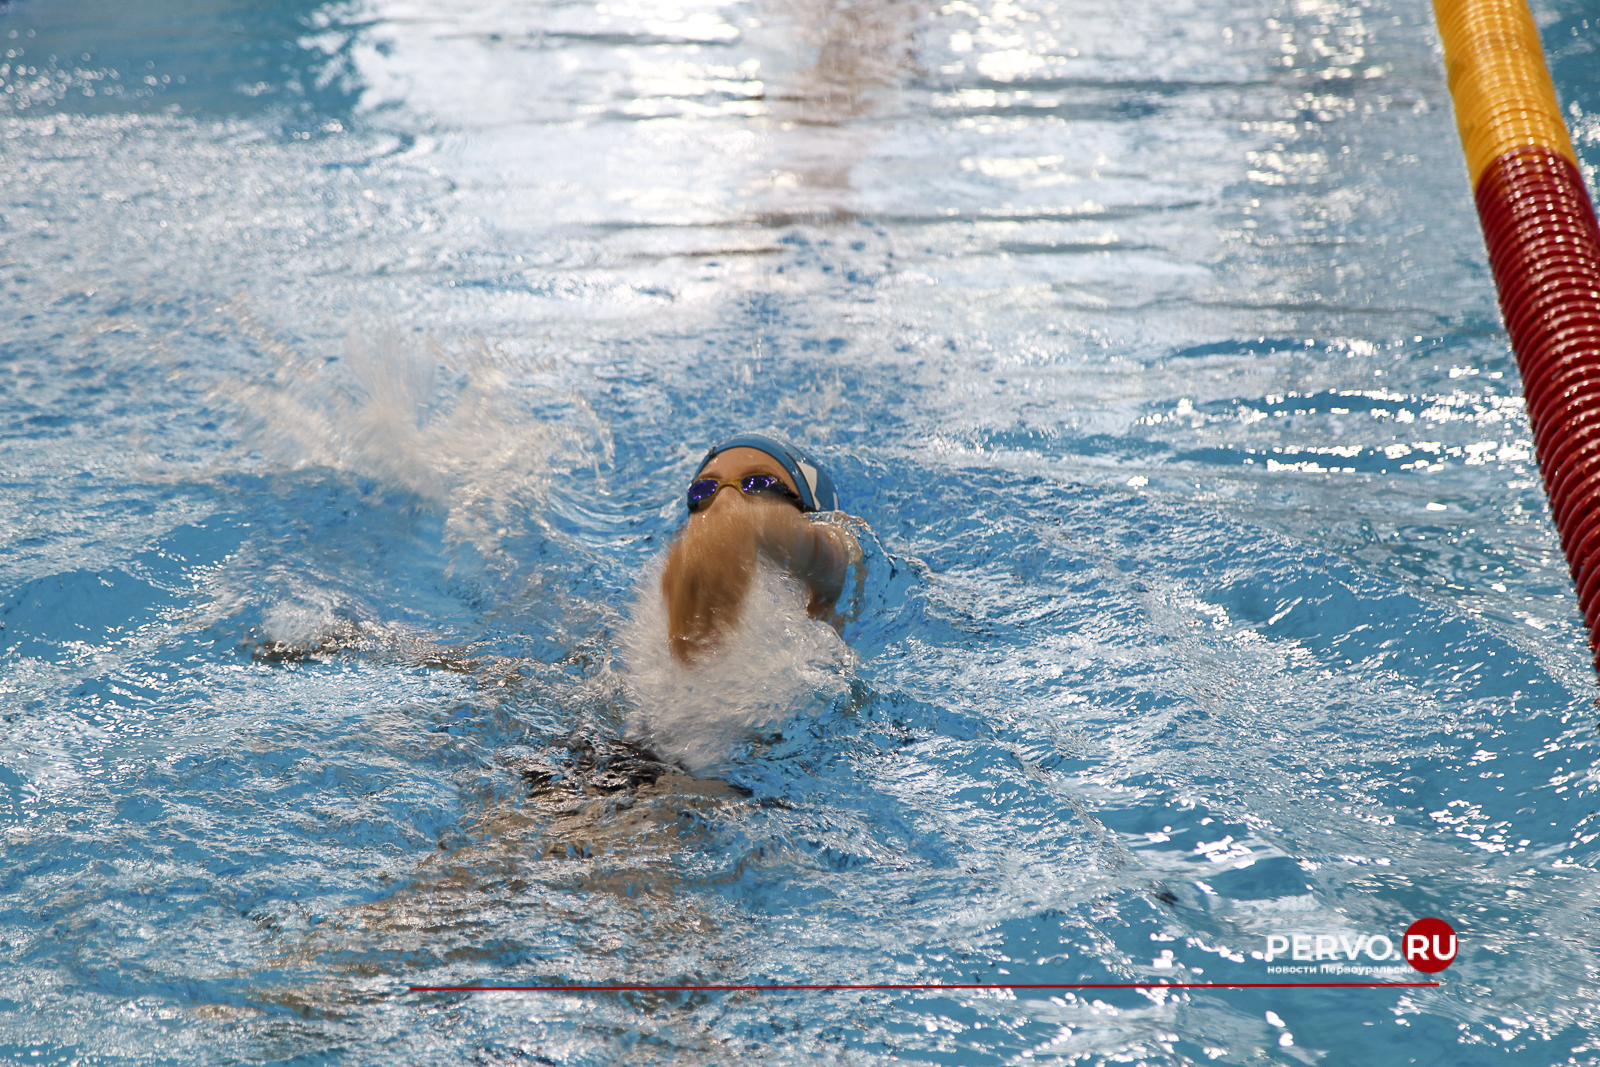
474, 448
305, 620
777, 662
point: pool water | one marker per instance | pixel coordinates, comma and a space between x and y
356, 354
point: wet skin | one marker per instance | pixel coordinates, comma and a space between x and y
710, 566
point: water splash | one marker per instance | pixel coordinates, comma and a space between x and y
777, 662
464, 432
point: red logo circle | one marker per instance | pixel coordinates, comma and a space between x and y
1429, 945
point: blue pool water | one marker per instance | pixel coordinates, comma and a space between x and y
356, 353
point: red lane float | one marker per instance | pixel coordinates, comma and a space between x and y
1544, 249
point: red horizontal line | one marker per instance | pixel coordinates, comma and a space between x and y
919, 985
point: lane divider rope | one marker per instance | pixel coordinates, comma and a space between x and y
1544, 249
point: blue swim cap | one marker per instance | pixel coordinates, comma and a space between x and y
816, 488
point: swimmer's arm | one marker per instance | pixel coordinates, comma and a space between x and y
817, 553
709, 567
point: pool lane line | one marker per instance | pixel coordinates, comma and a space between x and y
1544, 249
912, 986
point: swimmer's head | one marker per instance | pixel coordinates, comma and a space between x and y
810, 480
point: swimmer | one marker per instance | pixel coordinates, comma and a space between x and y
752, 497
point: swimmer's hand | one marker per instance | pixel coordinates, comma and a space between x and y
710, 567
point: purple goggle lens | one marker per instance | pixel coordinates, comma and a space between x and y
702, 490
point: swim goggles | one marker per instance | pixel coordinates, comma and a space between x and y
702, 490
815, 487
